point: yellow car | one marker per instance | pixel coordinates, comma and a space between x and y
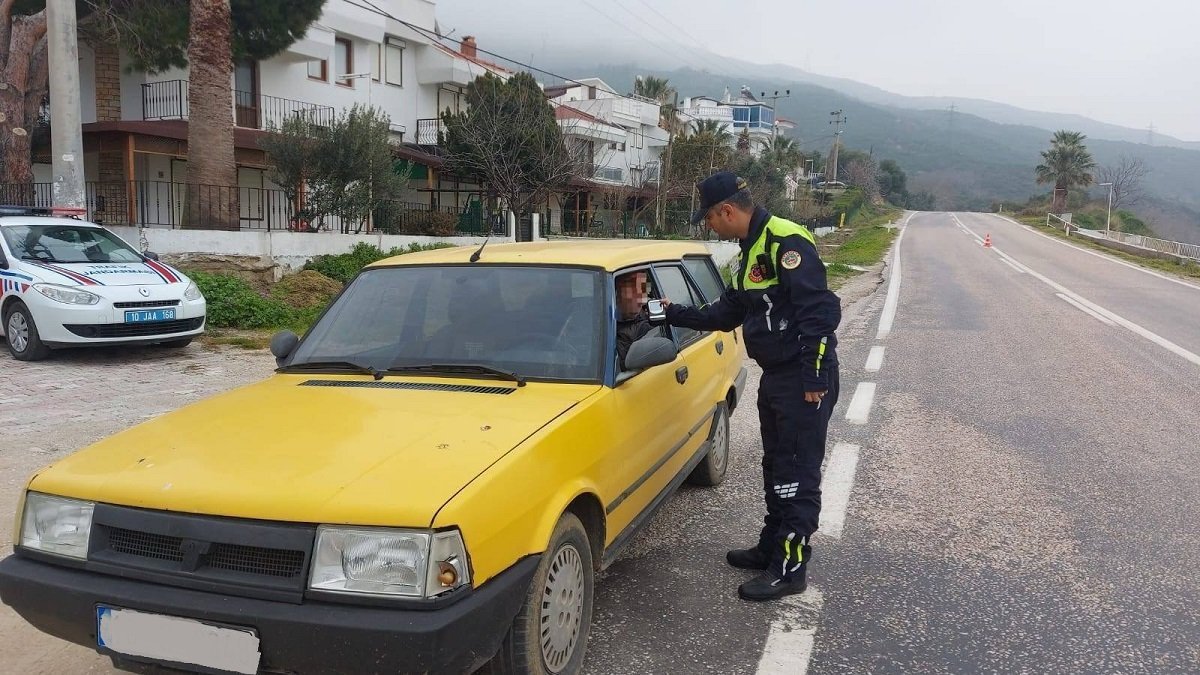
429, 483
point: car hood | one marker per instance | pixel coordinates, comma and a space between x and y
347, 450
149, 273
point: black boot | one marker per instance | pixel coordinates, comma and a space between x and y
748, 558
767, 586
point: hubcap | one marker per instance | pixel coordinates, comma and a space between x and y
17, 332
562, 608
720, 440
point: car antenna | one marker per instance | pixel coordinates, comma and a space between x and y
476, 254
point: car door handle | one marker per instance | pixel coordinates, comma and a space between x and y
720, 346
681, 374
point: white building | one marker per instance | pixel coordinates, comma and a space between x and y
621, 137
743, 112
135, 123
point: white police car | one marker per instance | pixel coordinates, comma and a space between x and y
67, 282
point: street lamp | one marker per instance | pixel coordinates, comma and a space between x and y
1108, 221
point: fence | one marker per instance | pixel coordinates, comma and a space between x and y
177, 205
1176, 248
168, 99
614, 224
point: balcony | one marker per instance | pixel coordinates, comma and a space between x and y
168, 100
430, 131
611, 174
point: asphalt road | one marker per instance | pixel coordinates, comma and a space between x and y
1022, 488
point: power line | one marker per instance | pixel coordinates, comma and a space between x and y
706, 56
438, 38
626, 27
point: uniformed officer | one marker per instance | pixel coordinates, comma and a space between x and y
789, 318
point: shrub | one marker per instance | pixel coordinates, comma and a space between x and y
344, 266
232, 303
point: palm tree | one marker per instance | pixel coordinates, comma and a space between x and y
784, 152
660, 89
718, 131
210, 119
1067, 164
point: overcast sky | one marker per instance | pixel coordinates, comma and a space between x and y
1124, 62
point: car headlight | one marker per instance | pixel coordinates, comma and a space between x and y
379, 561
70, 296
193, 292
56, 525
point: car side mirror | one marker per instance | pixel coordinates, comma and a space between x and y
650, 351
151, 255
283, 344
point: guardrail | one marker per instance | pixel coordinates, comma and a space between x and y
1175, 248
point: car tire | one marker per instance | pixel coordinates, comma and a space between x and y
21, 334
711, 470
566, 576
176, 344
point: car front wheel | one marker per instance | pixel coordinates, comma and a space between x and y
21, 332
549, 635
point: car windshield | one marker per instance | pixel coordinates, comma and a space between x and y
534, 322
67, 244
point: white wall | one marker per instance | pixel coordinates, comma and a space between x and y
287, 250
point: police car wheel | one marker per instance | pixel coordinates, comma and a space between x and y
550, 634
711, 470
21, 333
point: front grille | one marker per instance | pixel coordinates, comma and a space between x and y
253, 560
126, 330
145, 544
419, 386
232, 556
146, 303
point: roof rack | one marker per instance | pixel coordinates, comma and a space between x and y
52, 211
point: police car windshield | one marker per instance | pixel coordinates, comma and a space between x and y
535, 322
67, 244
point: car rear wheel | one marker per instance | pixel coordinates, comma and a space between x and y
21, 332
711, 470
549, 635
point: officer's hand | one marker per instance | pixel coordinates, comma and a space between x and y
814, 396
665, 302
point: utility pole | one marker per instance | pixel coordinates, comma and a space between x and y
838, 120
1108, 220
1150, 134
665, 171
66, 131
775, 121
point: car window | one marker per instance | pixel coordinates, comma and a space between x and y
539, 322
67, 244
674, 286
704, 273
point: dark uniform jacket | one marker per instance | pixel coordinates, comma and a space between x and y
780, 297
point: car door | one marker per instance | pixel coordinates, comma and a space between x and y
719, 359
645, 433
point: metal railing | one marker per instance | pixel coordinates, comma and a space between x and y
168, 99
430, 131
1176, 248
614, 224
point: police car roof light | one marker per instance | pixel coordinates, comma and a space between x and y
57, 211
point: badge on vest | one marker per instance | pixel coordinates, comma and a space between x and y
756, 274
790, 260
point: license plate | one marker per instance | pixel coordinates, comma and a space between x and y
175, 640
144, 315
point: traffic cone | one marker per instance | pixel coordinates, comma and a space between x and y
987, 240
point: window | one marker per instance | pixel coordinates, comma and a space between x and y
706, 277
318, 70
343, 61
741, 118
375, 56
755, 116
393, 61
674, 286
620, 147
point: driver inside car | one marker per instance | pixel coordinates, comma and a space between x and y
633, 322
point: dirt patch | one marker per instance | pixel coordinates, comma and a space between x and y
305, 289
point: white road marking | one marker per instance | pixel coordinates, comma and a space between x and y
874, 359
893, 294
790, 644
1111, 316
860, 405
1085, 310
1013, 265
836, 485
1109, 258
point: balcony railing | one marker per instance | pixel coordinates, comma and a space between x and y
430, 131
168, 100
610, 173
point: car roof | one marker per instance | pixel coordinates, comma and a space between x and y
45, 220
608, 254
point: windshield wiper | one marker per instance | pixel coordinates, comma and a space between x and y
333, 365
456, 368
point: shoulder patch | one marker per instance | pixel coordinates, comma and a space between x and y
790, 260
